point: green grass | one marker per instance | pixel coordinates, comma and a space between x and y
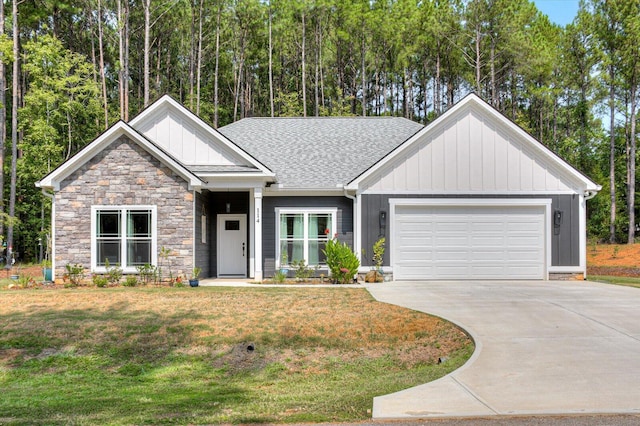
626, 281
177, 356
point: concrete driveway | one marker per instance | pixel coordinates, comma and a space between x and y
542, 347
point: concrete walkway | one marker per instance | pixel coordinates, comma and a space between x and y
555, 347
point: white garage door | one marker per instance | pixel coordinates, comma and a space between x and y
468, 242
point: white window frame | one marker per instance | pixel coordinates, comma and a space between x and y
123, 246
306, 212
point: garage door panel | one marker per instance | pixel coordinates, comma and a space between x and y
467, 242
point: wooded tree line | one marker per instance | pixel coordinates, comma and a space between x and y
71, 68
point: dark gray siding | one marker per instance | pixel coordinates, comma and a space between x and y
202, 251
239, 204
269, 204
565, 241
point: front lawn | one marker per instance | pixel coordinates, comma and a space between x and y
211, 355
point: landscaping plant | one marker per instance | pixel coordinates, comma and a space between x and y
114, 273
75, 274
342, 261
100, 281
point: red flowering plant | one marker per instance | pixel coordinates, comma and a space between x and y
341, 260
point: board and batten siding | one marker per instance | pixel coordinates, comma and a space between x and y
202, 250
185, 140
344, 221
468, 153
565, 242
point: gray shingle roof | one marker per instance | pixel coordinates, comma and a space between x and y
319, 153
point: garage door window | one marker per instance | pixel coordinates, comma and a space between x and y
303, 235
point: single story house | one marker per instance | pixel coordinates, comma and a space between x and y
469, 196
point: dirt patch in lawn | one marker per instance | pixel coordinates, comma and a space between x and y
614, 259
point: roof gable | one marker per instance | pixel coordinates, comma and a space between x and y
472, 148
53, 179
189, 139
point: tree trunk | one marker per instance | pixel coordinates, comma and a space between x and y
123, 49
192, 54
199, 60
364, 70
632, 167
478, 61
3, 120
146, 5
14, 129
216, 101
612, 155
304, 66
271, 101
103, 80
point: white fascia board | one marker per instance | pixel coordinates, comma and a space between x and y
257, 178
468, 193
473, 99
168, 100
53, 179
301, 192
236, 183
470, 201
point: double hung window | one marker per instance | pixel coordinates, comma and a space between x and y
124, 236
303, 234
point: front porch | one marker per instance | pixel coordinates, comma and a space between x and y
228, 234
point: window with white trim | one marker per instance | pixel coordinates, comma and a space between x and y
123, 235
303, 235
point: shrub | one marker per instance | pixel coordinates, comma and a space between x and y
342, 261
130, 281
75, 274
302, 271
279, 277
114, 273
147, 273
25, 281
100, 281
378, 253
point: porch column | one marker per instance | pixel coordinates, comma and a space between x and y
257, 234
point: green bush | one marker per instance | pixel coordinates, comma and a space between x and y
342, 261
148, 273
279, 277
100, 281
130, 281
302, 270
75, 274
114, 273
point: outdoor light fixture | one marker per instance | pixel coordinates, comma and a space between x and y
228, 207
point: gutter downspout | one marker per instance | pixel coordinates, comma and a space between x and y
586, 195
53, 232
356, 225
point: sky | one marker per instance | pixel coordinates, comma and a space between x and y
561, 12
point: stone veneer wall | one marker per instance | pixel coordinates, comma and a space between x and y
123, 174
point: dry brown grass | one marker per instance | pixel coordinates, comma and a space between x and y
341, 323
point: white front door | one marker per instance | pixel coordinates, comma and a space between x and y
232, 245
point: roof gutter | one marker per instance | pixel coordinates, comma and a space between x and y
589, 195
